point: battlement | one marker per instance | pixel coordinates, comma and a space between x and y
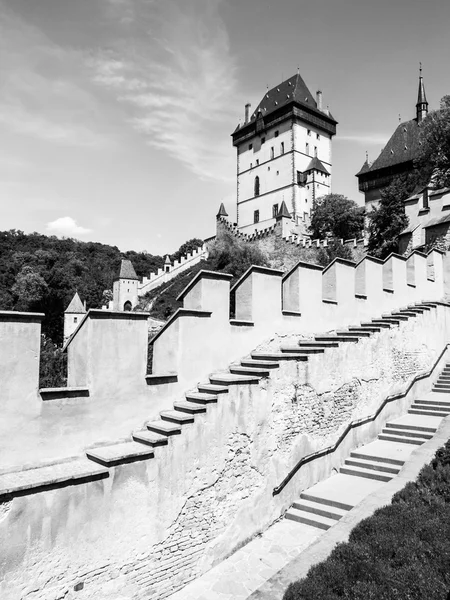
167, 273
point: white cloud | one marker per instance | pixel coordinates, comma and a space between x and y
66, 226
179, 84
364, 138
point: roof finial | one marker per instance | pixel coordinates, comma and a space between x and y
399, 118
298, 69
420, 69
367, 157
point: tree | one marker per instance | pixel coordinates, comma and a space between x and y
187, 248
234, 256
337, 216
434, 158
30, 288
388, 220
333, 250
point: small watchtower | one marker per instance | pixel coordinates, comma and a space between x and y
73, 315
125, 287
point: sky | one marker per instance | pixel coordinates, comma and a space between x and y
116, 115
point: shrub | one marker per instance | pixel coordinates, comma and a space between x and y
52, 365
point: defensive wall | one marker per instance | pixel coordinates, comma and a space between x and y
140, 521
179, 266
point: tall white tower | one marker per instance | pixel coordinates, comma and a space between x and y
125, 287
283, 154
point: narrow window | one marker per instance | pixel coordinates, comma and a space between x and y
275, 211
75, 319
256, 216
309, 131
257, 187
251, 165
263, 141
318, 136
315, 151
272, 152
282, 148
307, 149
257, 161
277, 133
250, 146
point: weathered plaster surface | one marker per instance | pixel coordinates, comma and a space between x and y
153, 526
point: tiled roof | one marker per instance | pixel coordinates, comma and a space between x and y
76, 306
316, 165
222, 212
403, 146
283, 211
127, 270
293, 89
364, 168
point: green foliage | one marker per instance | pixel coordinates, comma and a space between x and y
234, 256
52, 365
41, 273
388, 220
401, 552
336, 216
435, 149
187, 248
334, 250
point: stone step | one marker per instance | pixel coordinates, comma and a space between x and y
209, 388
231, 379
423, 435
164, 428
372, 464
381, 459
265, 364
189, 407
303, 350
240, 370
279, 356
389, 322
397, 316
367, 473
400, 439
415, 411
376, 323
150, 438
176, 416
372, 328
315, 344
436, 403
410, 427
419, 307
319, 509
313, 520
355, 332
199, 398
325, 501
407, 313
337, 338
443, 378
442, 388
119, 454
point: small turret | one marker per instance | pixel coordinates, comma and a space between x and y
125, 287
422, 104
73, 315
222, 212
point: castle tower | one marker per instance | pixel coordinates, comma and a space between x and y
73, 315
283, 154
125, 287
422, 104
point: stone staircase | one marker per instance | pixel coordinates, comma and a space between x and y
371, 465
248, 372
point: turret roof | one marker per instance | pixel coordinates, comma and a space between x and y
283, 211
316, 165
76, 306
127, 270
222, 212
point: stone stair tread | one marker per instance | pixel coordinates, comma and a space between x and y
176, 416
396, 316
373, 328
444, 403
415, 411
230, 379
354, 332
312, 507
116, 454
401, 439
366, 473
373, 465
303, 349
195, 397
185, 406
150, 438
439, 396
412, 433
267, 364
384, 451
308, 343
418, 423
380, 323
279, 356
210, 388
342, 489
341, 338
241, 370
310, 519
164, 427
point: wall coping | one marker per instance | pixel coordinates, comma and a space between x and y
395, 255
204, 275
256, 269
374, 259
181, 312
303, 264
99, 313
435, 250
357, 423
10, 315
341, 261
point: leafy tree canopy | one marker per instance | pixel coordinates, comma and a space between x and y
337, 216
435, 149
187, 248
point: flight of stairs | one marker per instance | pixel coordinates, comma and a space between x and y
375, 463
248, 372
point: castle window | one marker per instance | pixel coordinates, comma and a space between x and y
307, 149
315, 151
277, 133
250, 146
309, 131
257, 161
256, 216
263, 141
301, 178
75, 319
282, 148
272, 152
318, 136
275, 211
257, 187
251, 165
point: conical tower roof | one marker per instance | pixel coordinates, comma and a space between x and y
127, 270
222, 212
283, 211
76, 306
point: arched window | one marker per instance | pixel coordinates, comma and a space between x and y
127, 306
257, 186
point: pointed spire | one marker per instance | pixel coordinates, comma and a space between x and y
222, 212
283, 211
422, 103
167, 261
76, 306
127, 270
